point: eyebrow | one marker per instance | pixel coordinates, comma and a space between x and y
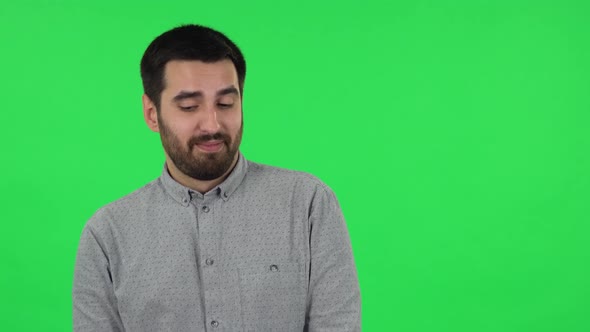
197, 94
227, 91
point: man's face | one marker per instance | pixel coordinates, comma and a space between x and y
200, 118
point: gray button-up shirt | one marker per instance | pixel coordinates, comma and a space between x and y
267, 249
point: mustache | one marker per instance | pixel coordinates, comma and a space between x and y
209, 137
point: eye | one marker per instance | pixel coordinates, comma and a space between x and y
224, 106
187, 108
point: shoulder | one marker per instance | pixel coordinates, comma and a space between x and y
125, 206
272, 176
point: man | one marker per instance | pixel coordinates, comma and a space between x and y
216, 243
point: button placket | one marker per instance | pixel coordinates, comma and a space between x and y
209, 261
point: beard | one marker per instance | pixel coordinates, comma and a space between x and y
200, 165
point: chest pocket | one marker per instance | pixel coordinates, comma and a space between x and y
272, 295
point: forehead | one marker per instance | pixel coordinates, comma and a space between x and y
197, 75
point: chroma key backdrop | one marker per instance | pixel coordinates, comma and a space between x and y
455, 134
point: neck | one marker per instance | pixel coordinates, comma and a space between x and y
201, 186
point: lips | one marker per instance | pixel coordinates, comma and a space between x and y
210, 146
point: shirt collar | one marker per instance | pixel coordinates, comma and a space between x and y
224, 190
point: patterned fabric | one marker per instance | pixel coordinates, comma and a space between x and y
266, 250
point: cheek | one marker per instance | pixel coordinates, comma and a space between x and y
181, 131
233, 123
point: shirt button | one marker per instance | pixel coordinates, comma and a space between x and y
225, 194
209, 261
184, 200
205, 208
274, 268
214, 323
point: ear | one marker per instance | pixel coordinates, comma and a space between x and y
150, 114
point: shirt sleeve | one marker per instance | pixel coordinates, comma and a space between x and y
334, 302
94, 302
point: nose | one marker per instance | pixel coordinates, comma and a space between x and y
210, 123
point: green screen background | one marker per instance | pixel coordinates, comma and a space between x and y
454, 133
